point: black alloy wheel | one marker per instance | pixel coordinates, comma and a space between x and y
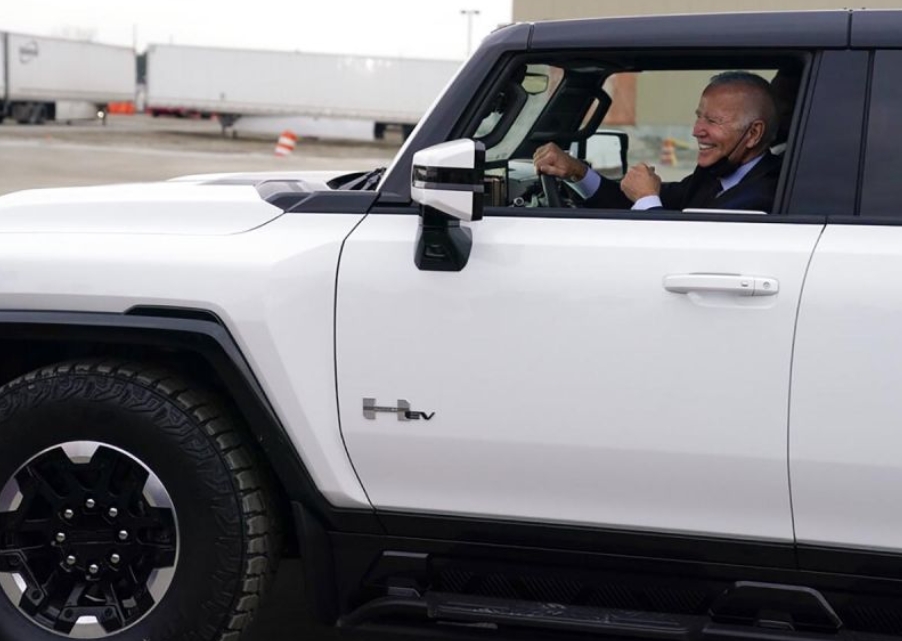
92, 539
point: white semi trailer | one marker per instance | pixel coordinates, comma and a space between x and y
44, 78
232, 83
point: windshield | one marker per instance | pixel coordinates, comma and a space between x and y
515, 110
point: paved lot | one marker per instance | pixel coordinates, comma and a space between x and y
140, 148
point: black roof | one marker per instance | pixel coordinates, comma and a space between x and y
876, 29
836, 29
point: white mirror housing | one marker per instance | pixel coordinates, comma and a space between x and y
449, 177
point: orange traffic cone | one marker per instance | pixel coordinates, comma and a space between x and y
668, 152
285, 144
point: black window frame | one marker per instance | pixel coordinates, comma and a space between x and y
823, 178
878, 158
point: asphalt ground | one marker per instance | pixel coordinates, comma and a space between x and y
141, 149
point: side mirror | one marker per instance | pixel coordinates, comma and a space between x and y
449, 177
447, 181
606, 151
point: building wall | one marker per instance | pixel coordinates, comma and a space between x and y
529, 10
669, 98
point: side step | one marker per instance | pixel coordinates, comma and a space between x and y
472, 610
570, 618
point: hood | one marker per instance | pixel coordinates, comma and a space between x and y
313, 180
192, 205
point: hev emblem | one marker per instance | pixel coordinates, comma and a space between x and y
402, 410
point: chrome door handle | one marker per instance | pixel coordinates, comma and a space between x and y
722, 283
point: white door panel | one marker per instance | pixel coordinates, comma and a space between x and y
568, 384
846, 438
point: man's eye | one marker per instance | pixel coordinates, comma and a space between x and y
708, 119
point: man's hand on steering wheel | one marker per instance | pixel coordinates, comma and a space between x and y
551, 163
551, 160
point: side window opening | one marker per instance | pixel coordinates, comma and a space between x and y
613, 113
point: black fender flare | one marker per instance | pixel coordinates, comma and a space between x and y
202, 334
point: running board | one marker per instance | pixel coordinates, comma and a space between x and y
566, 618
478, 611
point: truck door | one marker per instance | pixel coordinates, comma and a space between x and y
587, 367
563, 382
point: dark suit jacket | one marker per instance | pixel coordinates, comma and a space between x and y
697, 190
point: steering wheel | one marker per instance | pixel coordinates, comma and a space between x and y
550, 189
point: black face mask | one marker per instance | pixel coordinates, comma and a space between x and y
725, 166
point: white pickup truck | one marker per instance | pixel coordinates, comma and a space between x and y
471, 404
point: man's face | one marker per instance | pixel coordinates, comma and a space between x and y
719, 124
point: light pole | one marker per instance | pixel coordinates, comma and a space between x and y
469, 13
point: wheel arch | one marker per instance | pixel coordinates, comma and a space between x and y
193, 342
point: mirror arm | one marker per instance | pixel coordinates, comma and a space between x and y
442, 244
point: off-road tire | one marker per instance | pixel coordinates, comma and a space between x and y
227, 528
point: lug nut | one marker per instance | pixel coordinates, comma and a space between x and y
115, 558
60, 537
113, 513
93, 568
90, 504
70, 560
68, 514
123, 535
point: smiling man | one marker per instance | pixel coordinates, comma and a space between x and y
735, 122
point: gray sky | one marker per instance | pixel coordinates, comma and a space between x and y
410, 28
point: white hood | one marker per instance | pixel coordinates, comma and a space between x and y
192, 205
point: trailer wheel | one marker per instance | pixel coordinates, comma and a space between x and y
130, 506
38, 114
30, 113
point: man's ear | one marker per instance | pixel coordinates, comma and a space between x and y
756, 134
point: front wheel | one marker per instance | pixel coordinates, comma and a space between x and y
130, 506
